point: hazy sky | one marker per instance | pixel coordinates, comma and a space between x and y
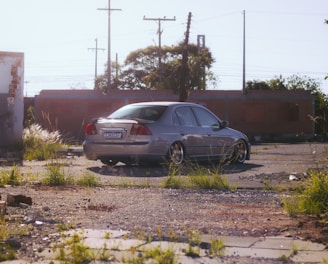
283, 37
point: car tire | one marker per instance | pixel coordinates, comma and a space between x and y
176, 153
109, 162
239, 153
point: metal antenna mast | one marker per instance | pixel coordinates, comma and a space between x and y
159, 20
108, 58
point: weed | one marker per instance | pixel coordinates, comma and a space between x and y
173, 182
88, 180
56, 175
161, 256
12, 177
291, 205
283, 258
73, 250
4, 233
174, 179
193, 249
7, 252
104, 254
65, 227
107, 235
267, 183
312, 198
40, 144
203, 178
315, 197
198, 177
217, 247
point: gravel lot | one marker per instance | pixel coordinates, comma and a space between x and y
247, 211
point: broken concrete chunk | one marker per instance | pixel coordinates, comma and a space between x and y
17, 199
2, 207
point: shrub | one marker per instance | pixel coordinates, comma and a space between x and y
40, 144
12, 177
56, 175
88, 180
203, 178
312, 198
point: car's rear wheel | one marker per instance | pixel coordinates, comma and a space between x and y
176, 153
239, 153
109, 162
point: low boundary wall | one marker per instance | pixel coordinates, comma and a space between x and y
259, 114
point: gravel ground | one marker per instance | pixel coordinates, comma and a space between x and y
246, 211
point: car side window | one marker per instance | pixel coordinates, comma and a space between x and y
185, 117
205, 118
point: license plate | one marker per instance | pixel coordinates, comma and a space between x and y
113, 134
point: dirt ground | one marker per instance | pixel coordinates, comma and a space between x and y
253, 209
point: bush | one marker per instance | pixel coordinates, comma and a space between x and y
312, 198
56, 175
12, 177
198, 177
40, 144
88, 180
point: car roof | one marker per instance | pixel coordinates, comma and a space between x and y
163, 103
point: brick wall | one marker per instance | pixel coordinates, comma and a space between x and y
268, 114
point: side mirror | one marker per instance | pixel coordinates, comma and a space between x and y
224, 123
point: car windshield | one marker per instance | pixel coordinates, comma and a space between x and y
146, 112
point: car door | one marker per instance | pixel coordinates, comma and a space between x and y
189, 130
215, 136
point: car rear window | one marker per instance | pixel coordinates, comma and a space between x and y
146, 112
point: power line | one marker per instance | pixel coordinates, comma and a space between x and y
159, 20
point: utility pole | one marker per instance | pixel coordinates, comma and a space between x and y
244, 54
159, 20
108, 56
96, 60
202, 72
183, 95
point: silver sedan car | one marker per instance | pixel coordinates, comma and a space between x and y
163, 132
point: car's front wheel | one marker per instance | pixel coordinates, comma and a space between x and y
176, 153
239, 154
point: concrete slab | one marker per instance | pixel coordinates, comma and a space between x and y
113, 244
288, 243
188, 260
104, 233
257, 252
98, 233
311, 257
232, 241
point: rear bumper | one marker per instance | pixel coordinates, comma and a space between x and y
93, 151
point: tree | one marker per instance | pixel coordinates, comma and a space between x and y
257, 85
278, 83
140, 70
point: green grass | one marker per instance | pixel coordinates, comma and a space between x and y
56, 175
195, 177
11, 177
88, 180
311, 198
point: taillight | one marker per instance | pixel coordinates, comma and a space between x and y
139, 130
90, 129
